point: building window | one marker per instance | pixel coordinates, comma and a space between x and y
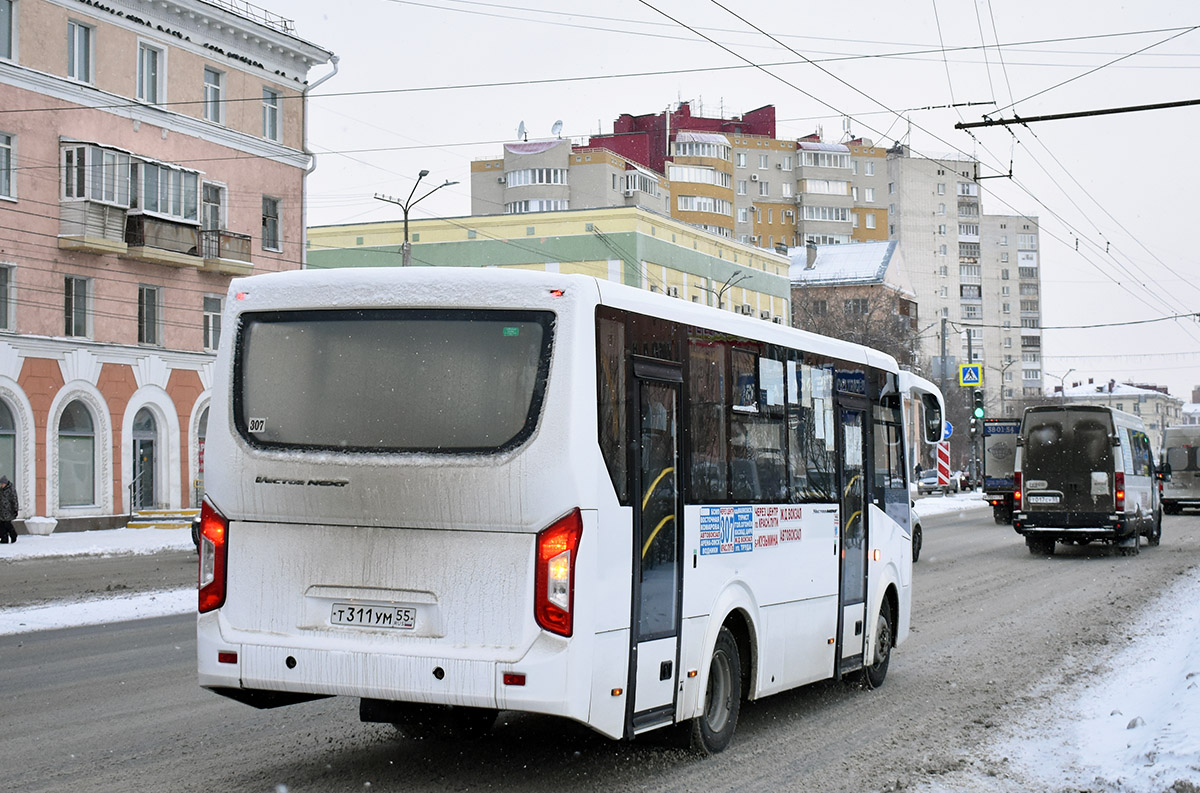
743, 215
970, 291
870, 220
1003, 239
818, 308
1004, 274
270, 224
763, 162
971, 311
787, 162
270, 114
79, 51
76, 456
151, 73
7, 28
740, 161
857, 305
214, 91
1004, 256
741, 187
212, 322
869, 195
6, 279
764, 188
8, 187
528, 176
941, 188
868, 168
211, 208
75, 307
693, 203
149, 302
785, 189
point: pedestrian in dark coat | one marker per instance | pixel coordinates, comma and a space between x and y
8, 510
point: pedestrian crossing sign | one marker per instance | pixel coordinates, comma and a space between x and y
970, 374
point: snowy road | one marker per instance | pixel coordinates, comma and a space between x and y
1080, 672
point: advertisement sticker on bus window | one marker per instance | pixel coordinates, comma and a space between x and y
512, 331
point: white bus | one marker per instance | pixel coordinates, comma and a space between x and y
449, 492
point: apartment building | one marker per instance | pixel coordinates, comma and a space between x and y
148, 153
980, 273
868, 187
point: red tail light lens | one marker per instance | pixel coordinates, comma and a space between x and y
214, 534
1119, 490
554, 579
1017, 489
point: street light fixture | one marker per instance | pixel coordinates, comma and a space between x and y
730, 282
406, 205
1062, 382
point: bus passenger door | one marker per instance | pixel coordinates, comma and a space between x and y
852, 494
656, 567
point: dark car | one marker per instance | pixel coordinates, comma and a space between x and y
196, 531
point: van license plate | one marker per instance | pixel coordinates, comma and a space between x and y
374, 615
1043, 499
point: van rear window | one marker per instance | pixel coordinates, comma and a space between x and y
1061, 443
391, 380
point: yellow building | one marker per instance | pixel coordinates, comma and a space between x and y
629, 245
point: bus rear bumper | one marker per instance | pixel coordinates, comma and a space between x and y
548, 679
1073, 527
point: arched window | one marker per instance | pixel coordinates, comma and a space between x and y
76, 456
8, 444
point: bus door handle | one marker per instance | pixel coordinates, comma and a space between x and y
664, 670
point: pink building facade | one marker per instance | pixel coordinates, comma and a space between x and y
149, 152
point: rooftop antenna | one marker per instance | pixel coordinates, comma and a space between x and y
846, 128
521, 134
556, 130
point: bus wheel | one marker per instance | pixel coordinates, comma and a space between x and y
875, 672
713, 728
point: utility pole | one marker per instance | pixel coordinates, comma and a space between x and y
406, 205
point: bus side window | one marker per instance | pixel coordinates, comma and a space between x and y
707, 408
611, 399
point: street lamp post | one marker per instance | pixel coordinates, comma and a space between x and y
405, 206
1062, 383
730, 282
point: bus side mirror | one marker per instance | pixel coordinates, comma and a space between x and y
934, 427
1115, 440
1020, 441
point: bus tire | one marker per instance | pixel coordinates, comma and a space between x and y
713, 729
875, 672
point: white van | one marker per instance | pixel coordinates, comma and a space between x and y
1181, 467
1085, 473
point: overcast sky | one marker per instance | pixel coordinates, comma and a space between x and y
435, 85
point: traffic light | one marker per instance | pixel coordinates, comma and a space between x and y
979, 411
974, 426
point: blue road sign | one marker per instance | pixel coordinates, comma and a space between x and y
949, 431
970, 374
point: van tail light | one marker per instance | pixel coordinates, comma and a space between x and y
1119, 491
214, 548
554, 579
1017, 490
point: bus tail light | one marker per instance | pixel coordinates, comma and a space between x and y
214, 535
554, 579
1017, 490
1119, 491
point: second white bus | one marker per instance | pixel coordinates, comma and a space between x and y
450, 492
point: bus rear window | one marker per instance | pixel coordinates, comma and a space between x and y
1061, 443
391, 380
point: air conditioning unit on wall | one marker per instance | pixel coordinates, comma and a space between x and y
673, 291
629, 194
753, 177
501, 179
747, 309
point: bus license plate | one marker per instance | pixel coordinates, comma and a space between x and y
374, 615
1043, 499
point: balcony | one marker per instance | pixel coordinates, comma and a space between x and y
91, 227
159, 241
225, 252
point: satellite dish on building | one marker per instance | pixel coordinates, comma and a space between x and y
521, 132
556, 130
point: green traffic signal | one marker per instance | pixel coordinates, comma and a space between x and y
979, 412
